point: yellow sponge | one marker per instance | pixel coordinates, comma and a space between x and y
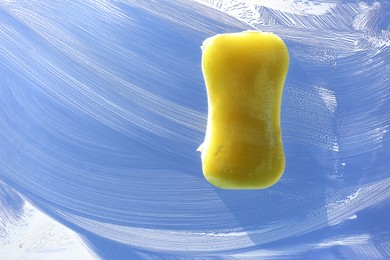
244, 74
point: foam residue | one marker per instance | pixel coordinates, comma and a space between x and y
360, 244
296, 6
36, 236
328, 97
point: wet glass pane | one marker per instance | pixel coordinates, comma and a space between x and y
103, 106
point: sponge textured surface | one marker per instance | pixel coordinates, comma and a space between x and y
244, 75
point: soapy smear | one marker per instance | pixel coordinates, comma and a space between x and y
102, 111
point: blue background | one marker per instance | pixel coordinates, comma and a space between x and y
103, 105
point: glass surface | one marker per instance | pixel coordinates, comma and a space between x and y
103, 105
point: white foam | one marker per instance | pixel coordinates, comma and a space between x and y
40, 237
296, 6
328, 97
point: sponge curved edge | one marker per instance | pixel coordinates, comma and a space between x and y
244, 75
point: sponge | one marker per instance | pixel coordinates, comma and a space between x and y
244, 75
